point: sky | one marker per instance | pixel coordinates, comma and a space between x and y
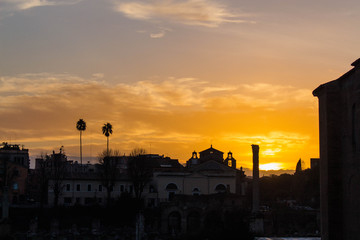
172, 76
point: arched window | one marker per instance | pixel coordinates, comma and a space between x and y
196, 192
220, 188
171, 187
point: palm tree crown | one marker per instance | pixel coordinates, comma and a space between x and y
107, 130
81, 125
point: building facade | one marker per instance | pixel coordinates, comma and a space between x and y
339, 120
14, 167
84, 184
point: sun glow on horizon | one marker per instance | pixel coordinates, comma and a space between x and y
270, 166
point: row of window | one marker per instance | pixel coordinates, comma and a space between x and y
19, 160
78, 200
171, 187
89, 188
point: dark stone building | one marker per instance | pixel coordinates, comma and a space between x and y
339, 117
14, 167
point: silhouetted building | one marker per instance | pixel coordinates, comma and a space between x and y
14, 166
339, 117
83, 184
14, 154
314, 163
298, 166
206, 178
211, 154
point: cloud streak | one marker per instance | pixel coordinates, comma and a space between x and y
161, 33
189, 12
19, 5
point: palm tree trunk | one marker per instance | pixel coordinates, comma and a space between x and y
80, 149
107, 146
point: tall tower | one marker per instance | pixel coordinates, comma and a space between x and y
255, 205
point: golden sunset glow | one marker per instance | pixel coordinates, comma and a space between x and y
270, 166
171, 76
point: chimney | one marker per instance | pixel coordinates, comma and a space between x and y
255, 205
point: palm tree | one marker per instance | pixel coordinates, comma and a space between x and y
81, 126
107, 130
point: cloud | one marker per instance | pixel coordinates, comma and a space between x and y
16, 5
161, 33
175, 114
98, 75
189, 12
172, 93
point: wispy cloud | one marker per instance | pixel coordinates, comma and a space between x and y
175, 111
190, 12
15, 5
161, 33
190, 93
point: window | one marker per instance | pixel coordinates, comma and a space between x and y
171, 195
67, 200
195, 192
78, 200
122, 188
89, 200
78, 187
130, 188
89, 187
220, 188
15, 186
171, 186
68, 187
100, 188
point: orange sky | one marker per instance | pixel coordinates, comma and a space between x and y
172, 76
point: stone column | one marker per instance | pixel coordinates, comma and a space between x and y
255, 203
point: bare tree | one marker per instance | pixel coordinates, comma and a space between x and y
140, 170
108, 171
